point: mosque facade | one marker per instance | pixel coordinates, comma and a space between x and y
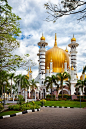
51, 62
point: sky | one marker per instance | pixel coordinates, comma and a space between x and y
33, 23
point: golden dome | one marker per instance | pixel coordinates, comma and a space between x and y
42, 38
76, 76
58, 56
72, 68
73, 39
66, 49
82, 78
47, 67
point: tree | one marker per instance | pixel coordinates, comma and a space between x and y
9, 31
25, 83
84, 70
33, 85
11, 77
80, 84
61, 77
66, 7
3, 77
68, 83
49, 82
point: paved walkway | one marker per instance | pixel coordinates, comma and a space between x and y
47, 118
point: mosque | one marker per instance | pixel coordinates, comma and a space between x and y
51, 62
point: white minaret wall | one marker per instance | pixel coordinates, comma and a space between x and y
65, 66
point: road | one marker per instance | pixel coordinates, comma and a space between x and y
47, 118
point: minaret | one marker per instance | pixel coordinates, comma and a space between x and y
73, 54
30, 74
42, 52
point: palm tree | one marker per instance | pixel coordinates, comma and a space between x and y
80, 84
49, 81
3, 77
17, 80
61, 77
33, 85
11, 76
84, 69
25, 83
68, 83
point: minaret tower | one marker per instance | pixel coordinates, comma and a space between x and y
73, 54
41, 54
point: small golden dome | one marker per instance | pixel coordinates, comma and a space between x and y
42, 38
66, 49
81, 78
72, 68
47, 67
69, 67
76, 76
73, 39
58, 58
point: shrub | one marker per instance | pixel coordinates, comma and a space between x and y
43, 101
20, 99
50, 96
0, 100
1, 107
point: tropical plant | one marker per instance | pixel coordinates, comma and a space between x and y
61, 77
80, 84
84, 70
33, 85
49, 81
68, 83
11, 77
20, 99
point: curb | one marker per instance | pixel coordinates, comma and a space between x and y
20, 113
61, 107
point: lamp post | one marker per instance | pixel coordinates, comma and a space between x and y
4, 83
80, 97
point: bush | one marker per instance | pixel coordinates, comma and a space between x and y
23, 107
50, 96
20, 99
64, 96
0, 100
43, 101
1, 107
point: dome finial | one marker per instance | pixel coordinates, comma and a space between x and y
42, 38
66, 49
55, 44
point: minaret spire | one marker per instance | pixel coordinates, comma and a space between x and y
55, 44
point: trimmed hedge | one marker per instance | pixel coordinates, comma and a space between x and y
65, 96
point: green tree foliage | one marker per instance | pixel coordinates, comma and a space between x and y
9, 30
61, 77
66, 7
33, 85
84, 70
81, 84
49, 81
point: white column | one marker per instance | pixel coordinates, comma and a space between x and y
65, 66
25, 95
35, 95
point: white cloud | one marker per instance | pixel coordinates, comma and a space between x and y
33, 23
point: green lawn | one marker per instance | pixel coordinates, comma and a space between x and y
8, 113
64, 103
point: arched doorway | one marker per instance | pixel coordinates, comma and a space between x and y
64, 92
32, 94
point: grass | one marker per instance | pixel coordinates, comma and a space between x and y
8, 113
64, 103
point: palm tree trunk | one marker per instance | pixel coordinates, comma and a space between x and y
62, 91
2, 91
11, 88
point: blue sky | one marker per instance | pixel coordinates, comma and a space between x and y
33, 24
